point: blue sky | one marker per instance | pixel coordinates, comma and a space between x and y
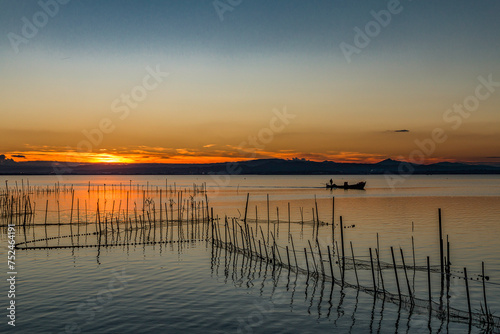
227, 75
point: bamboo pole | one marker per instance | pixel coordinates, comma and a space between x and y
343, 249
429, 281
289, 219
321, 259
441, 241
307, 261
448, 262
253, 239
484, 292
288, 257
260, 251
406, 275
413, 251
246, 209
294, 255
339, 262
78, 214
468, 294
354, 265
46, 209
312, 255
265, 246
380, 270
317, 215
373, 272
256, 220
268, 220
333, 219
396, 272
331, 266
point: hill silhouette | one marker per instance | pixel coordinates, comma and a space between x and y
260, 166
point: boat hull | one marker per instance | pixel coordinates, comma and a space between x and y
359, 186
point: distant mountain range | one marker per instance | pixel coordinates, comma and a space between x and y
262, 166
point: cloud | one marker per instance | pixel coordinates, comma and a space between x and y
402, 130
19, 156
5, 161
184, 151
209, 145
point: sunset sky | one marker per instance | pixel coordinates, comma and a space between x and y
89, 83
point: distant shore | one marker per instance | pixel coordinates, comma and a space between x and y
252, 167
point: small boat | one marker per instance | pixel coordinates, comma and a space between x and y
359, 185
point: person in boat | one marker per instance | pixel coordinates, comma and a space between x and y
331, 182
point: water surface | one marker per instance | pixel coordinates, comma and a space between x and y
173, 287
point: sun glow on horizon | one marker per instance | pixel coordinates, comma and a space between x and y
109, 158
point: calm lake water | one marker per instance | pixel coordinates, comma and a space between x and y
194, 287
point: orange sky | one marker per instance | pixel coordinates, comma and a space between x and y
202, 90
343, 157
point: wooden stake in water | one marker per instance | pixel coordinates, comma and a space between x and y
396, 272
225, 230
278, 221
441, 250
321, 259
307, 262
256, 220
46, 209
448, 262
333, 220
246, 209
253, 240
331, 266
317, 215
260, 251
58, 214
339, 262
413, 251
274, 255
406, 274
354, 265
288, 220
314, 223
265, 246
288, 257
468, 295
45, 224
373, 272
312, 255
484, 292
294, 255
268, 220
343, 249
380, 270
429, 281
78, 214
